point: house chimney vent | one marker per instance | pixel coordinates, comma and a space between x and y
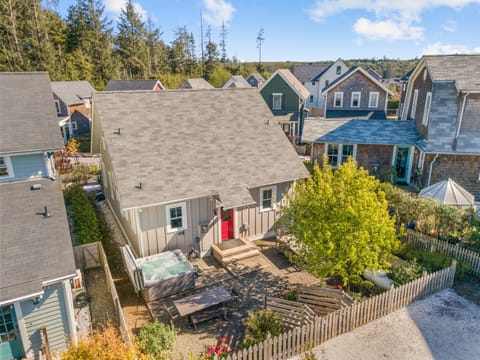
36, 187
46, 214
139, 186
117, 131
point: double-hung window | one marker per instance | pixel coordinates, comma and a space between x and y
176, 217
426, 110
6, 170
373, 99
277, 101
355, 99
339, 153
267, 198
338, 99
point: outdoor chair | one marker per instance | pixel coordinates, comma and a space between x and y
236, 291
172, 313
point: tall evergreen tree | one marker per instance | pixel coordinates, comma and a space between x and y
157, 50
211, 55
223, 44
182, 51
131, 44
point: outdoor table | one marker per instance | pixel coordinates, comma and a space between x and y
203, 300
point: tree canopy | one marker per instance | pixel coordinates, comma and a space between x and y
339, 222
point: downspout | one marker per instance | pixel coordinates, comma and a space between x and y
139, 232
431, 168
461, 116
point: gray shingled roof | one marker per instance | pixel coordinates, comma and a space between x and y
350, 72
184, 144
257, 76
307, 72
236, 81
196, 83
28, 120
293, 82
126, 85
375, 132
463, 69
72, 92
33, 249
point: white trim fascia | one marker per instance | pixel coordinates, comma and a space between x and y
410, 163
158, 83
235, 223
67, 293
7, 160
408, 95
59, 279
334, 84
31, 152
139, 231
22, 298
22, 329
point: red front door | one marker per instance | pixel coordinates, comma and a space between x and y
227, 224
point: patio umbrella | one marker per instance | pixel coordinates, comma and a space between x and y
448, 192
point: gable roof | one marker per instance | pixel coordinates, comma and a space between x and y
196, 83
463, 69
256, 76
128, 85
373, 132
28, 120
72, 92
339, 60
308, 72
33, 249
349, 73
292, 81
185, 144
375, 74
236, 81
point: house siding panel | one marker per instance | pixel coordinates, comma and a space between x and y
356, 82
423, 86
290, 99
27, 166
50, 312
469, 137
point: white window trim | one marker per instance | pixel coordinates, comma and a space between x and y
8, 163
74, 125
359, 99
340, 153
58, 107
273, 102
274, 197
414, 104
426, 110
182, 205
340, 93
87, 103
370, 99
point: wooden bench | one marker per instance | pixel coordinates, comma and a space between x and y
207, 314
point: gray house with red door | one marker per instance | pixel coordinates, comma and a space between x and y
189, 169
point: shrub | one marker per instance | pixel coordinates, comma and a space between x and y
104, 344
407, 272
364, 288
85, 222
219, 351
156, 339
260, 325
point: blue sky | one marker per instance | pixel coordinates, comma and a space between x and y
314, 30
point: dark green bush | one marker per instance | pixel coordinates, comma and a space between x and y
364, 288
156, 339
430, 261
260, 324
85, 222
404, 273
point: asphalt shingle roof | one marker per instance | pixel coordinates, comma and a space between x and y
374, 132
33, 249
257, 76
28, 119
307, 72
293, 82
463, 69
196, 83
126, 85
236, 81
183, 144
72, 92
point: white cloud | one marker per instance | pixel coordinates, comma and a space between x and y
116, 6
439, 48
395, 17
218, 11
387, 29
140, 11
450, 26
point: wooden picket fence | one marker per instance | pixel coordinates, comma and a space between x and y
300, 339
468, 257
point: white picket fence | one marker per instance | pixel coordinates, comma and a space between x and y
301, 339
470, 258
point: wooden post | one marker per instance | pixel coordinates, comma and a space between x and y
46, 344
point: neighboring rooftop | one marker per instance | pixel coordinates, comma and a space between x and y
356, 114
463, 69
352, 71
196, 83
256, 76
33, 248
127, 85
72, 92
307, 72
200, 143
292, 81
28, 120
374, 132
236, 81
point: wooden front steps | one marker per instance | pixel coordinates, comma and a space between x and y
233, 250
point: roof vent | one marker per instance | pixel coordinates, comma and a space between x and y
117, 131
139, 186
267, 122
46, 214
36, 187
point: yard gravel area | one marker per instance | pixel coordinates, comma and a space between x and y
444, 326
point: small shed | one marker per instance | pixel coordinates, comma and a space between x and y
448, 192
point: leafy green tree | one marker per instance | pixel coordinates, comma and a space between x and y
156, 339
339, 222
219, 76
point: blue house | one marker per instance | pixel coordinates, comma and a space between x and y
36, 256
